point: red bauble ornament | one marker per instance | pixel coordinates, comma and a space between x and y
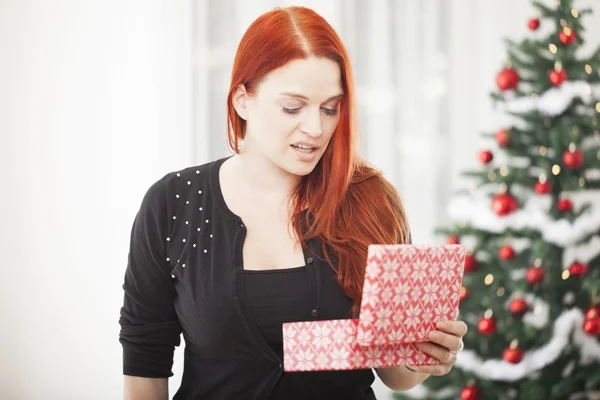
486, 326
592, 313
542, 188
565, 205
507, 79
557, 77
518, 306
578, 269
592, 327
506, 253
464, 293
535, 275
504, 204
513, 355
470, 263
503, 137
567, 38
453, 239
469, 393
573, 159
533, 24
485, 156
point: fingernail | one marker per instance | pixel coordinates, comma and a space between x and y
441, 324
434, 335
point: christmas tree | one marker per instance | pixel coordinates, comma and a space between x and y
531, 222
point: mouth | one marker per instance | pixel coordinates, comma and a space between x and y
303, 148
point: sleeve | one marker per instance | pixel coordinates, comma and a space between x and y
150, 329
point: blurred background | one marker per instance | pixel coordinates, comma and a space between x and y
99, 99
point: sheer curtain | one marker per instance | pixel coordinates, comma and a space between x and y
423, 71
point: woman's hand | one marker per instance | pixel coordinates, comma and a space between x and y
444, 344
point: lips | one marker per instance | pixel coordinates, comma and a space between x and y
303, 149
304, 146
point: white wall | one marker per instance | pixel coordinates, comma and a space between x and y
94, 106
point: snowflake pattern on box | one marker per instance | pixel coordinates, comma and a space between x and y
331, 345
407, 289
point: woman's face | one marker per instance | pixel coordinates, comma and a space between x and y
293, 114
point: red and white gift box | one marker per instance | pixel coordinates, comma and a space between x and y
407, 289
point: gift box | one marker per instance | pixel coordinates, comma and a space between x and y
407, 289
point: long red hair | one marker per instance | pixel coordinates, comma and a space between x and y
351, 204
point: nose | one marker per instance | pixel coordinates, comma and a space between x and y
312, 124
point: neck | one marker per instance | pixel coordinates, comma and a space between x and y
260, 175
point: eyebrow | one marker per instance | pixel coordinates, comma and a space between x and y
338, 96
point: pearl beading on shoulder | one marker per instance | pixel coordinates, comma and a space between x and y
198, 229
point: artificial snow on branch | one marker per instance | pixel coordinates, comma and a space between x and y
552, 102
476, 211
569, 322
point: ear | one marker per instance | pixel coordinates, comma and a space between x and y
240, 102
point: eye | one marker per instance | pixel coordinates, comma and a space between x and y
329, 111
291, 110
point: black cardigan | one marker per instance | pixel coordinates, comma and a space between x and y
185, 275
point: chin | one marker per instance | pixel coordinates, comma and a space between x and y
300, 168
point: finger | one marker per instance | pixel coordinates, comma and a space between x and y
446, 340
456, 328
440, 353
436, 370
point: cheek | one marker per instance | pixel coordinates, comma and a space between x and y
278, 125
271, 124
329, 126
284, 123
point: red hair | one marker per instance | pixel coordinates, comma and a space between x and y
351, 204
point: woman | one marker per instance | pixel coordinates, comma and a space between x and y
227, 251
